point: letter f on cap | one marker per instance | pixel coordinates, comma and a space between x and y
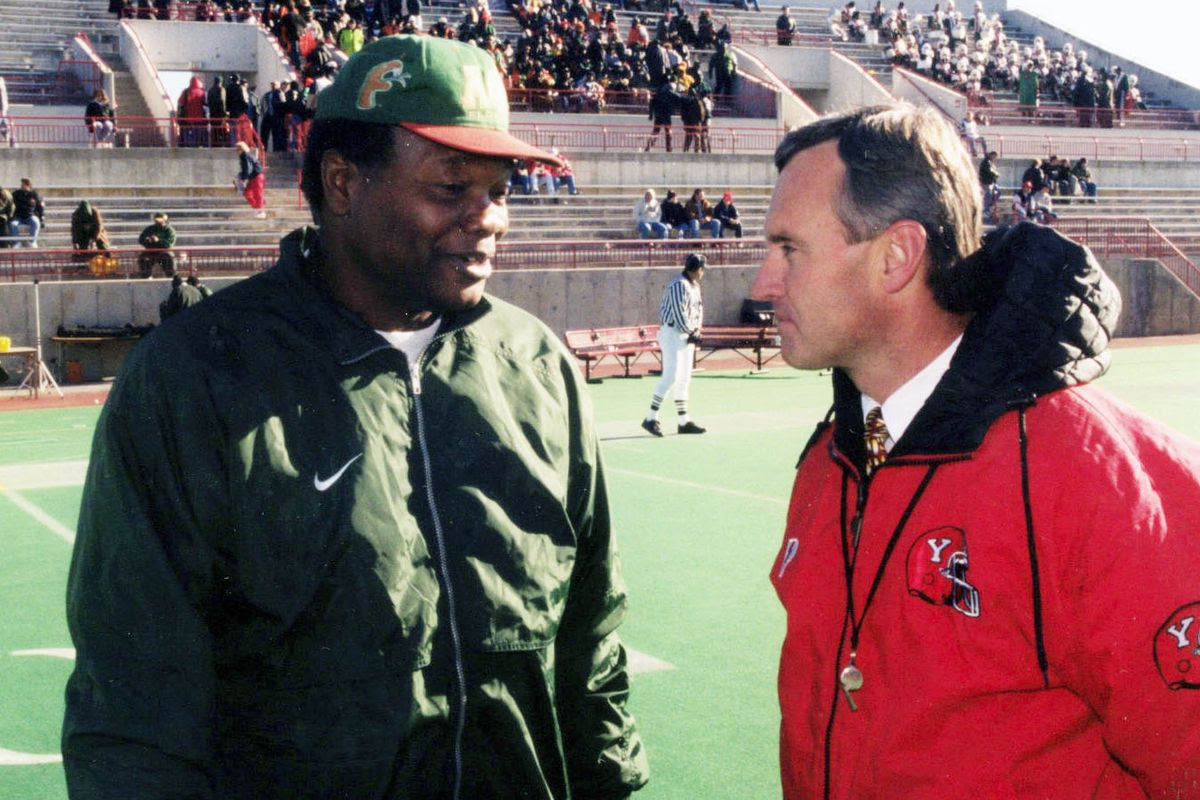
381, 78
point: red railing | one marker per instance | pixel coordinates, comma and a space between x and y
1075, 145
192, 12
23, 264
769, 36
632, 102
133, 132
576, 136
1009, 112
1106, 236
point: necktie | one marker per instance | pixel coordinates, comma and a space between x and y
875, 435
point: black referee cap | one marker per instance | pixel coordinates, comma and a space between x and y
694, 262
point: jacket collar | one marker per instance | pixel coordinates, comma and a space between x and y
350, 339
1044, 314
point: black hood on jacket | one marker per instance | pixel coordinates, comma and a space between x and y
1044, 313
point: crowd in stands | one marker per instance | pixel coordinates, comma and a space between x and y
536, 177
1041, 180
660, 220
971, 53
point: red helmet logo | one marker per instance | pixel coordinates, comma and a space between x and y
937, 570
1177, 648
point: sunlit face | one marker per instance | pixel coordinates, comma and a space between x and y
820, 285
423, 229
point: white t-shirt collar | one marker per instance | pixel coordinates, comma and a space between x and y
904, 403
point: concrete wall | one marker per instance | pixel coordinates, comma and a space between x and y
1162, 86
80, 167
920, 91
564, 299
213, 47
850, 86
145, 75
798, 67
1155, 303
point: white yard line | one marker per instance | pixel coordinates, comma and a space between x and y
704, 487
56, 527
44, 475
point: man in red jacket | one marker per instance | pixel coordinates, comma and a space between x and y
989, 567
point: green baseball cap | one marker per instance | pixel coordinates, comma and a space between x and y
445, 91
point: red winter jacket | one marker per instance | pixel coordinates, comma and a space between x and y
1035, 627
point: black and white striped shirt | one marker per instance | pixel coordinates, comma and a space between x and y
682, 308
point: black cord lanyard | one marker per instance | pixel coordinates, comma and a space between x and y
851, 677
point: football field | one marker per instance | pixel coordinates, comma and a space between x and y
698, 519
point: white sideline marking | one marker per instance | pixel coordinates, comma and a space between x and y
640, 663
49, 475
50, 652
707, 487
56, 527
13, 758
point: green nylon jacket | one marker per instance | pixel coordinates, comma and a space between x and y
300, 574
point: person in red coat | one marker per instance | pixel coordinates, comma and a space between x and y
193, 117
989, 566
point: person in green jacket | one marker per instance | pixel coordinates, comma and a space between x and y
345, 531
1028, 85
157, 238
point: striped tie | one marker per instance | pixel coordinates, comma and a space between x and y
875, 435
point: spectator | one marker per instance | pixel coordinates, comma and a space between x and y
726, 213
785, 27
351, 39
218, 123
1104, 100
87, 228
543, 179
662, 106
1041, 207
522, 177
100, 118
1082, 177
192, 112
1022, 204
28, 211
183, 295
1027, 90
274, 125
1034, 175
700, 211
563, 174
194, 280
722, 68
693, 115
250, 179
1058, 176
6, 215
970, 133
1084, 100
676, 217
647, 217
157, 239
989, 180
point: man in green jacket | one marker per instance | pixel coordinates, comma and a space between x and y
157, 238
345, 531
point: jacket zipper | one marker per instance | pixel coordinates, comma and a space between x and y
444, 562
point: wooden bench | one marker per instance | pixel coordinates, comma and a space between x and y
623, 345
748, 341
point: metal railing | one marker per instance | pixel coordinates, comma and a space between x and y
1010, 112
1075, 145
577, 136
1106, 236
132, 132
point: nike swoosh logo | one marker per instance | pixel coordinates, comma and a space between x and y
321, 485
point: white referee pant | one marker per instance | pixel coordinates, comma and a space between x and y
677, 357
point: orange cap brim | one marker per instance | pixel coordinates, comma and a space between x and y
481, 141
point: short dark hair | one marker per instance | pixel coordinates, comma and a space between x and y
901, 162
695, 261
364, 144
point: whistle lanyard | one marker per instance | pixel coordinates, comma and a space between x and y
851, 677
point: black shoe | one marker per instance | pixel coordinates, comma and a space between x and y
652, 427
691, 427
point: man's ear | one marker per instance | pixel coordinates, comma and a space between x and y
904, 246
340, 180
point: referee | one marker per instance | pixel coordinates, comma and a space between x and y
680, 316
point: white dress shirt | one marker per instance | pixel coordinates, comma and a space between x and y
899, 409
